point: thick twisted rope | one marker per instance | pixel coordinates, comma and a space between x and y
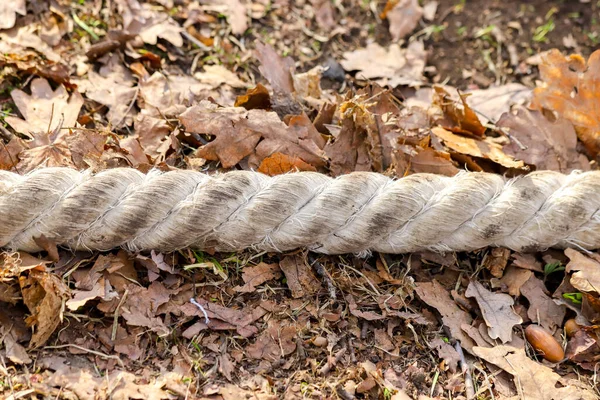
349, 214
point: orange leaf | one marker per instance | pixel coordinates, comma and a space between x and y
457, 119
570, 90
278, 163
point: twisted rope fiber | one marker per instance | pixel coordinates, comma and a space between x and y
353, 213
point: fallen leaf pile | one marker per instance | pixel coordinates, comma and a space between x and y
201, 85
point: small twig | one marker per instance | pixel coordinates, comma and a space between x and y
469, 388
97, 353
322, 272
113, 336
195, 41
331, 362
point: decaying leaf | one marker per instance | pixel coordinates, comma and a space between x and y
542, 309
535, 381
274, 342
44, 295
279, 163
9, 11
436, 296
300, 279
44, 110
238, 131
496, 309
393, 66
587, 277
403, 15
486, 148
544, 144
570, 89
142, 19
257, 275
112, 86
455, 117
235, 11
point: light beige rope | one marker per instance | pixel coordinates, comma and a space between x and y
349, 214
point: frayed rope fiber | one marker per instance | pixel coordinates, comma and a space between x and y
354, 213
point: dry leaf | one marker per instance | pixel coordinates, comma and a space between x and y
43, 294
147, 22
403, 15
393, 67
44, 110
486, 148
542, 309
257, 97
273, 343
544, 144
257, 275
8, 12
435, 295
535, 381
587, 277
235, 11
299, 276
278, 163
457, 118
514, 278
496, 309
237, 132
570, 89
217, 75
15, 40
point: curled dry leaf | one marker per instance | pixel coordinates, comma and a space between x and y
279, 163
457, 118
542, 143
9, 11
587, 275
150, 24
393, 66
536, 381
44, 110
570, 89
403, 15
496, 309
542, 309
237, 133
486, 148
43, 294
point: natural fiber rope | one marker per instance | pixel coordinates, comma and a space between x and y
349, 214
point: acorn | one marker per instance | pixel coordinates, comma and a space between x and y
543, 342
571, 327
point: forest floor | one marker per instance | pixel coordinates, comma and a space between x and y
333, 86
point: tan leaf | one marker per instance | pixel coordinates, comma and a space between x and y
486, 148
544, 144
149, 23
237, 132
44, 110
403, 15
570, 88
257, 275
535, 381
217, 75
43, 294
278, 163
113, 87
514, 278
542, 309
393, 66
496, 309
9, 11
300, 279
435, 295
587, 277
14, 351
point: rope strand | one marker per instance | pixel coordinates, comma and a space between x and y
354, 213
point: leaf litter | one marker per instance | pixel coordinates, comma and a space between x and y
176, 85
